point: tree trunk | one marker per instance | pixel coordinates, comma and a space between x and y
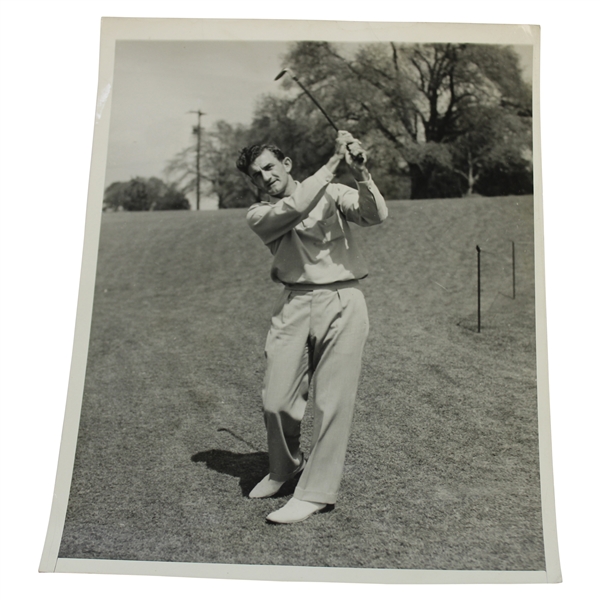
471, 181
420, 178
472, 178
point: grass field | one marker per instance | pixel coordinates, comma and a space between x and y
442, 466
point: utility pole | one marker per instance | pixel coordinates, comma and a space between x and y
197, 132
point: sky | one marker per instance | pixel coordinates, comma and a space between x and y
157, 84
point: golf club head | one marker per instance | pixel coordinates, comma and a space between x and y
288, 71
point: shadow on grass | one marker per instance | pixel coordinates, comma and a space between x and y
249, 468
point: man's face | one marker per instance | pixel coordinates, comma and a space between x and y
272, 175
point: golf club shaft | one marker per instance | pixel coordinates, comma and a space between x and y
316, 103
359, 158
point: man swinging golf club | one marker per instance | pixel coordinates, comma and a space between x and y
319, 324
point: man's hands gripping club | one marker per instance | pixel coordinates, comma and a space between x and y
347, 147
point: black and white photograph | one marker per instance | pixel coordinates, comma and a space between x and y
311, 336
141, 349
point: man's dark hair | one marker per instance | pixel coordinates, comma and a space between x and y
249, 154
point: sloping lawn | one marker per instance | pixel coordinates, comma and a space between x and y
442, 466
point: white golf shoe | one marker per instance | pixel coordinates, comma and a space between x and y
295, 511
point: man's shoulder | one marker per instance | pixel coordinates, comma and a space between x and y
255, 211
258, 203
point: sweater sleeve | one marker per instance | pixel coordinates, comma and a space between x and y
271, 221
364, 207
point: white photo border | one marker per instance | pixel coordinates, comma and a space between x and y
115, 29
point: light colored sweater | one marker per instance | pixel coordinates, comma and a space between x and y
308, 232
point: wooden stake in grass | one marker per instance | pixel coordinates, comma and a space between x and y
478, 289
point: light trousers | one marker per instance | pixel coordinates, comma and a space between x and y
316, 335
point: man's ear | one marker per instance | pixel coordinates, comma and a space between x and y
287, 164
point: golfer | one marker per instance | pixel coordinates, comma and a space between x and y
319, 324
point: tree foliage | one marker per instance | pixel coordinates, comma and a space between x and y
140, 194
413, 103
493, 155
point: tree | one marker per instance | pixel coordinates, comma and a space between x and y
495, 141
412, 102
140, 194
171, 199
220, 148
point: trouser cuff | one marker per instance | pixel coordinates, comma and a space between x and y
314, 496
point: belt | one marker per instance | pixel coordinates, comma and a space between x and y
310, 287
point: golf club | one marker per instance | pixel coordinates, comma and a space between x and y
360, 158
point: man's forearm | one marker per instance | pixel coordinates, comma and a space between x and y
271, 221
365, 206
